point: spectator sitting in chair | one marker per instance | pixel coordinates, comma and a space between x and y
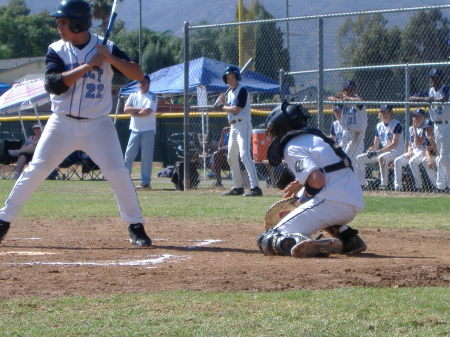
219, 158
388, 135
25, 153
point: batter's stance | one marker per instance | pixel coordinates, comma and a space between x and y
81, 101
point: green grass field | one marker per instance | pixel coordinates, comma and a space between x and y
336, 312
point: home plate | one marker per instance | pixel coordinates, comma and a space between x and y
31, 253
144, 262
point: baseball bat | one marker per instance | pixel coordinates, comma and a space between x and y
112, 18
243, 69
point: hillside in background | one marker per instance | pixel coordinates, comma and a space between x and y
161, 15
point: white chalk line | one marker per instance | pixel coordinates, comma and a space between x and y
26, 253
144, 262
203, 243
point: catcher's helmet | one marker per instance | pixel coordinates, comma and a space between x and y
78, 12
231, 70
286, 117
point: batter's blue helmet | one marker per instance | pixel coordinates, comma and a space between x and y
78, 12
231, 70
285, 118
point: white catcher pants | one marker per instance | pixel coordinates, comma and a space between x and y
63, 135
413, 163
317, 214
239, 145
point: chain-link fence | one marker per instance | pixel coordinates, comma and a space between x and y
387, 56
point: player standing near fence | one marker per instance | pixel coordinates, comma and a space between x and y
353, 121
237, 105
81, 101
440, 116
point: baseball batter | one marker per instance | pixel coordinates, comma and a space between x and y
388, 135
81, 101
415, 154
440, 116
237, 105
325, 183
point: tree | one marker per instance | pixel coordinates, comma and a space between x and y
161, 49
24, 35
424, 39
101, 10
367, 41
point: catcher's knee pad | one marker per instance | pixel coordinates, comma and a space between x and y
273, 242
352, 242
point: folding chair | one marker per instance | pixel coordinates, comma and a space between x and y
69, 167
89, 169
7, 167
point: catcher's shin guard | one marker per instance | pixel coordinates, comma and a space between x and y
273, 242
352, 242
317, 248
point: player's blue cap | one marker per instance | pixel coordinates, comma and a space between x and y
386, 107
418, 111
337, 107
435, 73
349, 84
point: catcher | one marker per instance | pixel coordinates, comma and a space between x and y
322, 178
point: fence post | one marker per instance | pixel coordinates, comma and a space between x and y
281, 80
186, 158
320, 78
407, 114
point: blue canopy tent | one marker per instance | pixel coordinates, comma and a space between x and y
4, 87
202, 72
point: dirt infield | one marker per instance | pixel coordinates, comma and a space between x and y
50, 258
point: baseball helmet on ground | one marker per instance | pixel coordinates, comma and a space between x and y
78, 12
231, 70
285, 118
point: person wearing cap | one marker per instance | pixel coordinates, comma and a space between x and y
387, 145
237, 106
415, 155
142, 105
25, 153
353, 120
440, 115
78, 76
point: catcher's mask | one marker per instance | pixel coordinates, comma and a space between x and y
231, 70
286, 117
78, 12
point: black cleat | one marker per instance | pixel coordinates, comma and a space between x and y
137, 235
254, 192
354, 245
235, 191
4, 228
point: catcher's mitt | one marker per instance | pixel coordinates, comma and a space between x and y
279, 210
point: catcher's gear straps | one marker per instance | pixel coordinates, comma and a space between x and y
277, 151
273, 242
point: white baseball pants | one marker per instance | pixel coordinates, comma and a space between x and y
63, 135
383, 160
239, 145
317, 214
